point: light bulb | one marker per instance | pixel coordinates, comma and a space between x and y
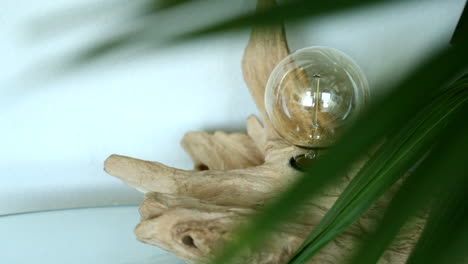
313, 94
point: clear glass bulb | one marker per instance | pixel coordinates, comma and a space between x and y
313, 94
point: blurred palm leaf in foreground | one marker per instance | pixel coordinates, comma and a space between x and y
411, 119
150, 24
421, 121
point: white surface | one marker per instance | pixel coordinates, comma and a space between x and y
54, 136
94, 236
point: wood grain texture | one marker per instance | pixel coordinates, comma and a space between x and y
193, 213
267, 46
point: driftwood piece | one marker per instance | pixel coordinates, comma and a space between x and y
192, 213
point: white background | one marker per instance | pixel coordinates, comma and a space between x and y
56, 133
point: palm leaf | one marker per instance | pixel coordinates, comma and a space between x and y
462, 27
394, 111
440, 179
395, 157
449, 212
292, 10
146, 31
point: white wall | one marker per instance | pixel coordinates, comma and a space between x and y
54, 135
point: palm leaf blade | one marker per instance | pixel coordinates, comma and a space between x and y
388, 165
381, 118
411, 196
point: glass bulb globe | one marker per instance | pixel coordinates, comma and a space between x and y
313, 94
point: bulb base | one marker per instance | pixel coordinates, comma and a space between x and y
303, 162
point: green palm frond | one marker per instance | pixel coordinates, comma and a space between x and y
393, 159
438, 186
392, 112
147, 22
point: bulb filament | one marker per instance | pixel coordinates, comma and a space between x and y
317, 99
314, 135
